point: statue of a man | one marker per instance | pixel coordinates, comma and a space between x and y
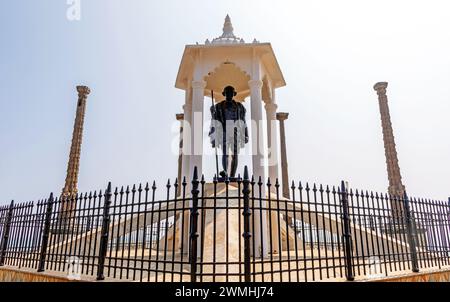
228, 130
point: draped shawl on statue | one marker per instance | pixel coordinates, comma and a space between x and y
223, 131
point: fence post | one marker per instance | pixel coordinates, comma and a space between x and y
348, 248
104, 235
247, 235
193, 223
6, 234
411, 241
46, 232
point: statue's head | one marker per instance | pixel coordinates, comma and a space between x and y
229, 92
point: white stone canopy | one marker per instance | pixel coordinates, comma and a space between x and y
228, 60
252, 69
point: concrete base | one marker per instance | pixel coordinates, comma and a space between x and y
12, 274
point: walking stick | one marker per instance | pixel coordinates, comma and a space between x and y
215, 133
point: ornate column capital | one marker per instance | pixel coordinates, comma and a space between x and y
198, 84
282, 116
255, 84
380, 88
83, 91
271, 107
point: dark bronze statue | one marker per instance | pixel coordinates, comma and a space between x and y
228, 130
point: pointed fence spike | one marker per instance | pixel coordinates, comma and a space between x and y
333, 190
195, 177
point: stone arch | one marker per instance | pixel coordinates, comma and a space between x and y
227, 73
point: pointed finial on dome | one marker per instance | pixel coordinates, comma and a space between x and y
227, 34
228, 27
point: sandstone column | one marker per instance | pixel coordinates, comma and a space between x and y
396, 187
180, 118
70, 189
257, 131
281, 117
196, 155
187, 111
261, 225
272, 140
272, 160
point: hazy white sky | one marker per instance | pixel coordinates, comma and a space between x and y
128, 52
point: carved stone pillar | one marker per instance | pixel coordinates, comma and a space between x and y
257, 131
70, 189
281, 117
197, 127
261, 225
396, 187
187, 109
272, 140
180, 118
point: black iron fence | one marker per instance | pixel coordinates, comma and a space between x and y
227, 231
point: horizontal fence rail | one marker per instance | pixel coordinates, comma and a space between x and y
226, 231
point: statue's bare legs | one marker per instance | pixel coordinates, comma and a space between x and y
234, 159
